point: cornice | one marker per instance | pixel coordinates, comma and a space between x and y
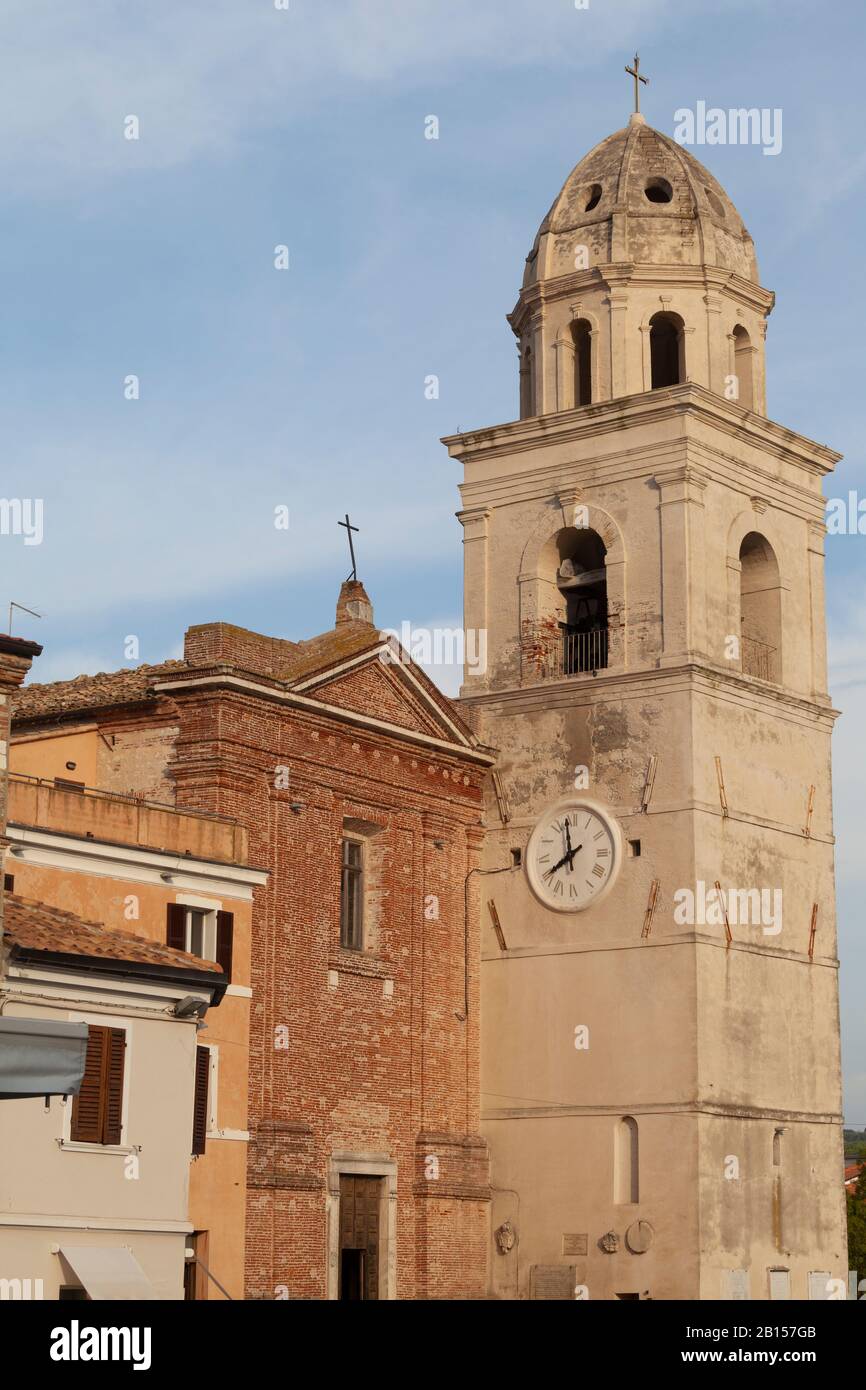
688, 400
702, 678
255, 689
614, 276
132, 863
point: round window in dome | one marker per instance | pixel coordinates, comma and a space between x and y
659, 191
715, 203
593, 197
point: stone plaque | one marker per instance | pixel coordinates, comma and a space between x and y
574, 1244
552, 1282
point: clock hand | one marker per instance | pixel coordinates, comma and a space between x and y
558, 865
566, 858
568, 843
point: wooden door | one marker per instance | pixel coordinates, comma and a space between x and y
360, 1199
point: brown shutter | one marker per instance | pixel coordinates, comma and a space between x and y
97, 1110
225, 932
175, 934
199, 1108
87, 1106
113, 1123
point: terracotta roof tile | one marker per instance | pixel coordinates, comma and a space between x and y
90, 692
35, 926
287, 663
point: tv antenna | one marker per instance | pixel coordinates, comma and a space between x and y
21, 609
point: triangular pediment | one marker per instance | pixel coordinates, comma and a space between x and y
386, 686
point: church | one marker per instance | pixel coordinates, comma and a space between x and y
542, 981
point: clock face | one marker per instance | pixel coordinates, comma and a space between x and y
573, 855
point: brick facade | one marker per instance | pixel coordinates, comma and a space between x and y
367, 1057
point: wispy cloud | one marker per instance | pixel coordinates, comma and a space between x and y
205, 75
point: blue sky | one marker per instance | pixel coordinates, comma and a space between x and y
305, 127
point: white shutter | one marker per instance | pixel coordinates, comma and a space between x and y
780, 1284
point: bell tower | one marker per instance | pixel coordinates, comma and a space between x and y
644, 549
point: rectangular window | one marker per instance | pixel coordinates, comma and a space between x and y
780, 1284
97, 1110
201, 1100
196, 922
66, 784
735, 1284
202, 932
352, 896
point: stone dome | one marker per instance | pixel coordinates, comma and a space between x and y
640, 198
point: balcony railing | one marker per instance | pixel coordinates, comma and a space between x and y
551, 649
584, 651
758, 659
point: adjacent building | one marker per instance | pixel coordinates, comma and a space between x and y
359, 787
96, 1185
172, 878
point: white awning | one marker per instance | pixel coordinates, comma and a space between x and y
41, 1057
108, 1271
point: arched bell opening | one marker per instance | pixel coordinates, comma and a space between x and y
743, 357
760, 609
581, 581
581, 332
526, 386
667, 350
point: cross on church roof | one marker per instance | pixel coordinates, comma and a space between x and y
635, 72
349, 529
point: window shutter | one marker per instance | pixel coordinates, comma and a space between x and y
97, 1110
225, 933
86, 1127
199, 1108
116, 1049
175, 935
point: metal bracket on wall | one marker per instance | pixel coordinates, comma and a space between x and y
497, 925
650, 908
724, 906
722, 797
501, 799
813, 927
807, 828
